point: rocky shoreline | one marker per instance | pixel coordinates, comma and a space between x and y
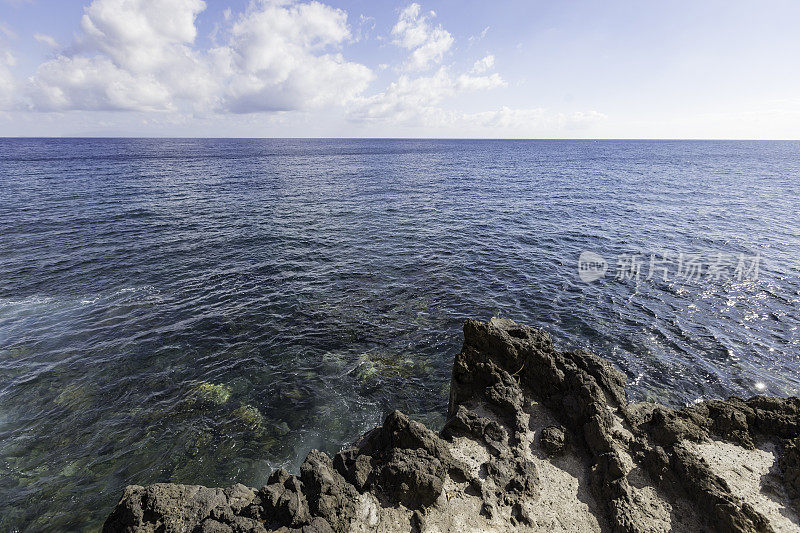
536, 439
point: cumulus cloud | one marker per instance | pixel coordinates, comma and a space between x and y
139, 55
466, 82
141, 35
131, 55
96, 84
405, 99
415, 99
274, 55
412, 99
482, 65
283, 57
428, 44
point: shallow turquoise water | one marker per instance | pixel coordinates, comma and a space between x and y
203, 311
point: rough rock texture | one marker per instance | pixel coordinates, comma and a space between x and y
553, 439
536, 439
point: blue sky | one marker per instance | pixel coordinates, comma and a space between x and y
530, 69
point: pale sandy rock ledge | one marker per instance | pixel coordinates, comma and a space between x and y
536, 440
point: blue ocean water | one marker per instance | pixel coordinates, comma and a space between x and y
203, 311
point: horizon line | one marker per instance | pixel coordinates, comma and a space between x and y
144, 137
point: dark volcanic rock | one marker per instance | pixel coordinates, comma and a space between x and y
402, 461
284, 501
553, 439
329, 495
165, 507
790, 468
468, 423
413, 478
397, 474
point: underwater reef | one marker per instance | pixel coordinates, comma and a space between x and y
536, 439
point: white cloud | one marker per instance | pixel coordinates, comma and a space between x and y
530, 120
46, 40
428, 44
141, 35
6, 31
139, 55
280, 57
405, 99
466, 82
96, 84
131, 55
480, 36
7, 83
482, 65
414, 99
7, 61
419, 102
366, 26
505, 122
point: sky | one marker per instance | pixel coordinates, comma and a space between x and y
447, 68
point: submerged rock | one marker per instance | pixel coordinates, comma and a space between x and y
608, 465
74, 396
210, 393
249, 416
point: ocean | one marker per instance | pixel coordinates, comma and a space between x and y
204, 311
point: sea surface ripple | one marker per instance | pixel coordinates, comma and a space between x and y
203, 311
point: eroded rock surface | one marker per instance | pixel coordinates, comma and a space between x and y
537, 439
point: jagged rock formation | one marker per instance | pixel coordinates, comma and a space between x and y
536, 439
